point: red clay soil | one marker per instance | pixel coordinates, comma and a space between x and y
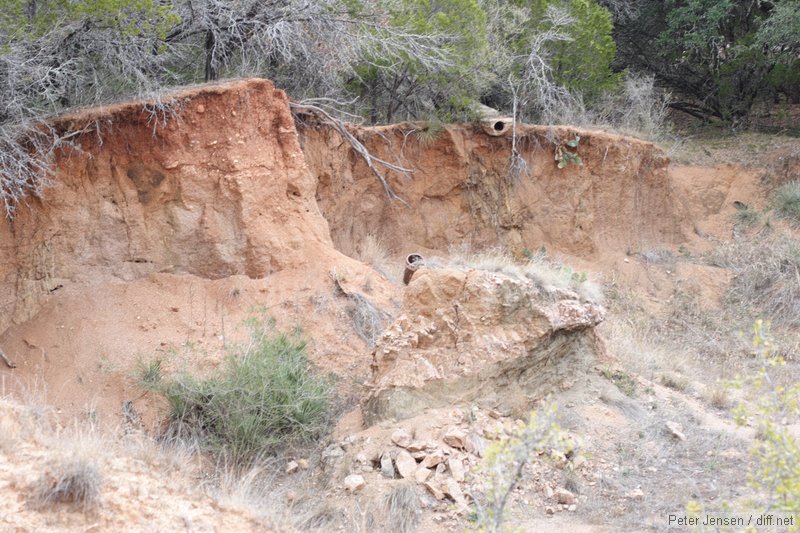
155, 237
162, 238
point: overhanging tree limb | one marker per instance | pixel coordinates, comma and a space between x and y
372, 162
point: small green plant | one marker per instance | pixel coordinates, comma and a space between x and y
622, 380
786, 201
506, 459
747, 216
564, 156
772, 406
148, 373
265, 397
431, 132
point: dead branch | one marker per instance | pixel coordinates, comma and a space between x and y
372, 162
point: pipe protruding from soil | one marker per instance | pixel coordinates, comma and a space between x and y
413, 262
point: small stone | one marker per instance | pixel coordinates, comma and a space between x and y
432, 459
302, 463
475, 444
292, 467
406, 465
361, 458
354, 482
332, 457
731, 453
387, 468
422, 474
572, 507
417, 446
456, 468
564, 497
435, 492
549, 510
635, 494
201, 109
548, 491
676, 430
401, 438
457, 438
452, 489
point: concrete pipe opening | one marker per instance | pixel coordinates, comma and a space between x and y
497, 126
413, 262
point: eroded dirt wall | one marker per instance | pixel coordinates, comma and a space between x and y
459, 191
219, 188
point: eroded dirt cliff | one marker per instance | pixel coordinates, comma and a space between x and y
163, 231
460, 191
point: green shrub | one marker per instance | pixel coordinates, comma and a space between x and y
265, 397
787, 201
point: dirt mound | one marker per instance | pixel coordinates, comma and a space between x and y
479, 336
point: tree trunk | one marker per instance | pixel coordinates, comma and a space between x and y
211, 69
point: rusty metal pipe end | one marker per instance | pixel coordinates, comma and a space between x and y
413, 262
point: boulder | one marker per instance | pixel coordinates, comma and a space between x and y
479, 336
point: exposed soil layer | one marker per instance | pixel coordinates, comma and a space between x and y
460, 191
163, 231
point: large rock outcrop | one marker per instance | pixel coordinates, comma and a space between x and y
479, 336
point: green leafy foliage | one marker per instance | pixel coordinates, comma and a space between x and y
583, 64
771, 406
265, 397
394, 85
722, 57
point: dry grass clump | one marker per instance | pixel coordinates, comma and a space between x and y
718, 397
767, 276
638, 108
75, 482
372, 251
786, 201
402, 508
73, 475
674, 381
547, 274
